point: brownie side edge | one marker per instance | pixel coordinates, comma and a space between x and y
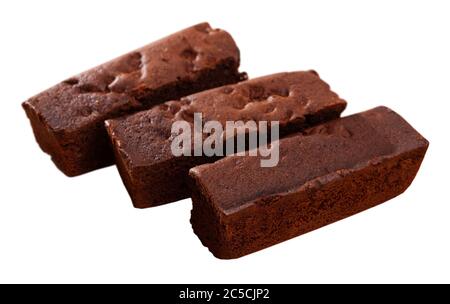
280, 218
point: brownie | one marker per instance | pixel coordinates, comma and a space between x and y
327, 173
68, 119
142, 142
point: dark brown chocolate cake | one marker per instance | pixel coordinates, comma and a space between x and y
68, 119
142, 142
328, 173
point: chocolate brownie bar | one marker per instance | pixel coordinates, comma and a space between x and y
68, 119
142, 142
327, 173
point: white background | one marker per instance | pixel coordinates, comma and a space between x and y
84, 229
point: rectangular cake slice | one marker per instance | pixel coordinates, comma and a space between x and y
142, 142
327, 173
68, 119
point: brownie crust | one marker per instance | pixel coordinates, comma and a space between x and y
329, 172
68, 119
142, 142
